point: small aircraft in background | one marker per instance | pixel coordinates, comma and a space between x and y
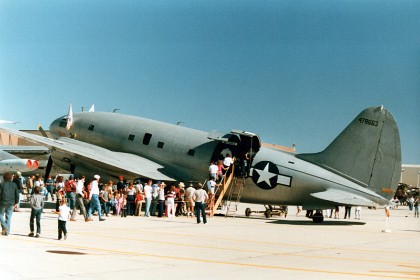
11, 163
360, 167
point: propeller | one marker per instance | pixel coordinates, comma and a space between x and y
50, 161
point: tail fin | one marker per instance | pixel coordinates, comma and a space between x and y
367, 152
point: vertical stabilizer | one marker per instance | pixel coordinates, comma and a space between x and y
368, 152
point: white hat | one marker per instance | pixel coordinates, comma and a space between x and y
181, 185
97, 177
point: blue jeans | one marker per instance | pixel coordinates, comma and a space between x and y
107, 207
95, 205
9, 211
35, 213
147, 211
71, 200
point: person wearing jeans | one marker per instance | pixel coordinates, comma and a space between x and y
9, 198
94, 200
37, 203
200, 196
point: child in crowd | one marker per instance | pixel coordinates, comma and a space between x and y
63, 216
139, 202
37, 204
123, 202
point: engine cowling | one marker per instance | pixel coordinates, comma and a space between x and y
21, 165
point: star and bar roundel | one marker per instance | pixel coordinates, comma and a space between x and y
265, 175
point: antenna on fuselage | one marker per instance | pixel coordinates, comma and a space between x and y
115, 110
178, 123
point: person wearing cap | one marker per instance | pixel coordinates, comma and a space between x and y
200, 196
120, 184
94, 199
161, 199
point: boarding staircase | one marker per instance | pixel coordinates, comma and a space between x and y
231, 186
234, 196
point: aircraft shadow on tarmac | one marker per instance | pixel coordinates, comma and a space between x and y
324, 223
309, 222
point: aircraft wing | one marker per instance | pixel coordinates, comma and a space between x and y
97, 156
343, 198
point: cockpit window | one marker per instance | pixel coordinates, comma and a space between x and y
91, 127
63, 123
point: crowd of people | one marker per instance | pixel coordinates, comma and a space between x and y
87, 197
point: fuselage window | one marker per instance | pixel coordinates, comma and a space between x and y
191, 152
131, 137
146, 138
91, 127
160, 145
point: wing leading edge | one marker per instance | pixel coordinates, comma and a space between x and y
100, 157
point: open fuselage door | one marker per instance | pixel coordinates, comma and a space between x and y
242, 145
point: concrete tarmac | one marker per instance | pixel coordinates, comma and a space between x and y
224, 248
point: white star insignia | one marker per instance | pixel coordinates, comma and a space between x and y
265, 175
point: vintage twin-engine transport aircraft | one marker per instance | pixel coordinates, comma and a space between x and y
360, 167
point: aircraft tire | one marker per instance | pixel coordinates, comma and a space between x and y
248, 212
318, 218
268, 213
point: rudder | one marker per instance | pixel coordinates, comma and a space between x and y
367, 151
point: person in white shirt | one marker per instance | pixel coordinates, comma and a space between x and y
227, 163
213, 170
189, 192
79, 199
63, 215
148, 197
95, 204
200, 196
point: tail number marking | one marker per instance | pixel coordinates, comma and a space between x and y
368, 122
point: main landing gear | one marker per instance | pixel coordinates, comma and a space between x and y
317, 217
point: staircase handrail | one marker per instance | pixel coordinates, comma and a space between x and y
226, 184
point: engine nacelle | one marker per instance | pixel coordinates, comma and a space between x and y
21, 165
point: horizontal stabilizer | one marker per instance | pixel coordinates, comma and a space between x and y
343, 198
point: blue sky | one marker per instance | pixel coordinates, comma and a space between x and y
290, 71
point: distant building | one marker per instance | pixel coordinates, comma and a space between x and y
410, 174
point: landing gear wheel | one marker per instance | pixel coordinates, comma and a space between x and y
318, 218
268, 213
248, 212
